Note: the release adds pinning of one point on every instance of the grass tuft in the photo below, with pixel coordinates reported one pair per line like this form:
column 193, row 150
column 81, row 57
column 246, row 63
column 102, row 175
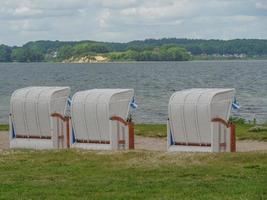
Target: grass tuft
column 4, row 127
column 257, row 129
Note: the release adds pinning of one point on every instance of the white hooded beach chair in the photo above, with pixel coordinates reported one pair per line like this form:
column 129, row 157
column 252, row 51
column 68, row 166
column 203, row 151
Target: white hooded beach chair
column 99, row 119
column 32, row 125
column 198, row 121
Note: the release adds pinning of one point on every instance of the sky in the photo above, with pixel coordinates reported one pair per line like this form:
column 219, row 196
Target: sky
column 126, row 20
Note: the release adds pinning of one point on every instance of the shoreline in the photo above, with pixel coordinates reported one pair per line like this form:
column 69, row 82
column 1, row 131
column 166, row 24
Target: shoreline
column 130, row 62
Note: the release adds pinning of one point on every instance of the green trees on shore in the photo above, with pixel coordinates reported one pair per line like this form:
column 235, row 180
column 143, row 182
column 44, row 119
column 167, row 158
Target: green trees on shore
column 166, row 49
column 19, row 54
column 5, row 53
column 163, row 53
column 81, row 49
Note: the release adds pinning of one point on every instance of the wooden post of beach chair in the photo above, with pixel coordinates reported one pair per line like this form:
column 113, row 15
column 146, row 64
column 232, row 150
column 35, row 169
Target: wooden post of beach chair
column 66, row 120
column 130, row 126
column 231, row 141
column 131, row 135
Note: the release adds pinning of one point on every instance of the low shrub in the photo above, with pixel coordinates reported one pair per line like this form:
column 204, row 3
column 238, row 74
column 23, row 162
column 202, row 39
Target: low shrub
column 257, row 129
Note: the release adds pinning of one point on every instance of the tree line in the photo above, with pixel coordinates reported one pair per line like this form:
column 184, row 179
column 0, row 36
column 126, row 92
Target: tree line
column 144, row 50
column 162, row 53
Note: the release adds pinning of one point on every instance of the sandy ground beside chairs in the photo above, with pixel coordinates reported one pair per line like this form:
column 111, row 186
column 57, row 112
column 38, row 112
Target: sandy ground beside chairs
column 159, row 144
column 4, row 140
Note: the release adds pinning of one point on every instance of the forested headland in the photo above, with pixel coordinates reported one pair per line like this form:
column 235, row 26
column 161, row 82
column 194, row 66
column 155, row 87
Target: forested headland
column 166, row 49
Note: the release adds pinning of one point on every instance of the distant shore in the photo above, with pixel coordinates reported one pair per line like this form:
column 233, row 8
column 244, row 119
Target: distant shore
column 134, row 61
column 165, row 49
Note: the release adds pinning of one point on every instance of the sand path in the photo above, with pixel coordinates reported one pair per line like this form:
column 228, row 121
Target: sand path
column 159, row 144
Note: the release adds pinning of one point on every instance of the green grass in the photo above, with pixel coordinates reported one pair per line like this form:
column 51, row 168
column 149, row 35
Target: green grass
column 244, row 134
column 160, row 130
column 76, row 174
column 151, row 130
column 4, row 127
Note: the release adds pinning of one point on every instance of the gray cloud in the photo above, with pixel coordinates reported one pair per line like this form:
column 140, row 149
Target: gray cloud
column 124, row 20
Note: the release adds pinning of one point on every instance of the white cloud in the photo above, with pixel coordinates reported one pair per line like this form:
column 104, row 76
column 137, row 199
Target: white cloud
column 118, row 3
column 261, row 5
column 124, row 20
column 26, row 11
column 244, row 18
column 103, row 19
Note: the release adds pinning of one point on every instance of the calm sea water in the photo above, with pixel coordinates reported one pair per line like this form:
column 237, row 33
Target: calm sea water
column 154, row 82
